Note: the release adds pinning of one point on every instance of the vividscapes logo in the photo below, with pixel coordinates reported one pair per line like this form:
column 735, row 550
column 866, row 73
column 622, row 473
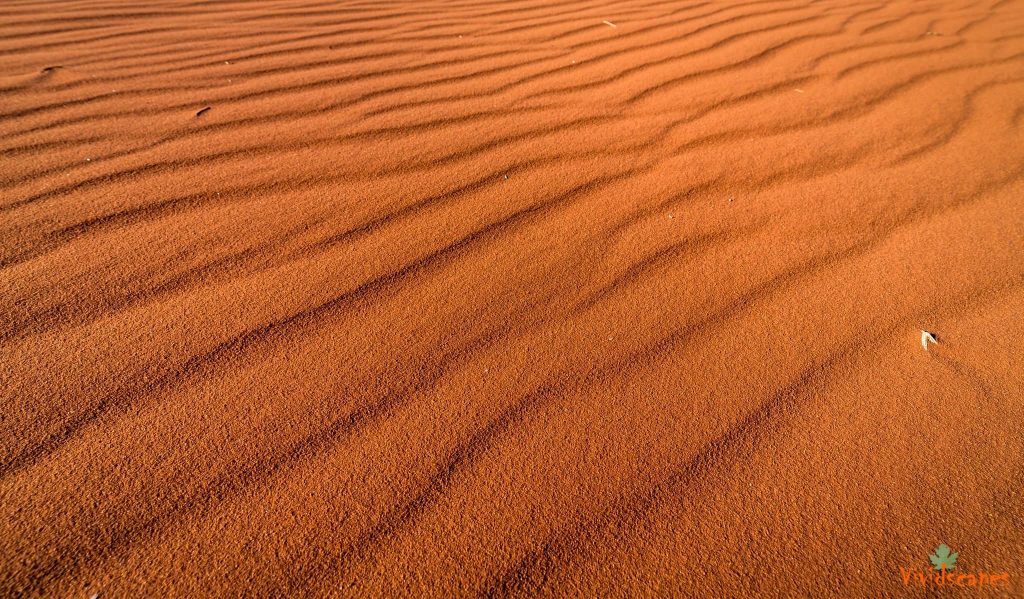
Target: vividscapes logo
column 945, row 574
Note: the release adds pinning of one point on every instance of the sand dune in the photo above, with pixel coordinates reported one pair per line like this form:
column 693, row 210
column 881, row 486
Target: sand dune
column 452, row 297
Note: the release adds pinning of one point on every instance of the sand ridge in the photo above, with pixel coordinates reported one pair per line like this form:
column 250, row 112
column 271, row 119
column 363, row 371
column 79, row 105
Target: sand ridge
column 458, row 297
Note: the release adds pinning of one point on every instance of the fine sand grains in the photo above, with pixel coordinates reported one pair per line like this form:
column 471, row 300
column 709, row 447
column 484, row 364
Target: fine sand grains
column 446, row 298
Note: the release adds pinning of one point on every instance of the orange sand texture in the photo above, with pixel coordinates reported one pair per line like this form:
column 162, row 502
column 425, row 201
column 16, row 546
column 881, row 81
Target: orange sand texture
column 458, row 297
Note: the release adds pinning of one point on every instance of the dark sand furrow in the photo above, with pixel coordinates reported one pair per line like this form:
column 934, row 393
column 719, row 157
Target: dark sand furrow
column 749, row 61
column 912, row 41
column 120, row 37
column 825, row 262
column 971, row 24
column 699, row 20
column 534, row 78
column 251, row 95
column 529, row 575
column 464, row 457
column 949, row 48
column 844, row 113
column 259, row 121
column 274, row 331
column 173, row 205
column 320, row 83
column 815, row 169
column 249, row 260
column 660, row 260
column 900, row 20
column 164, row 207
column 958, row 124
column 277, row 117
column 203, row 500
column 259, row 150
column 818, row 266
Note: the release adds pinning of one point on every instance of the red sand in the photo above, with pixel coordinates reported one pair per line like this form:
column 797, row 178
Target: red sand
column 462, row 297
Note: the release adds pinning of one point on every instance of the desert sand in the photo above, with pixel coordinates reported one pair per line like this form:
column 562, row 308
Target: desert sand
column 462, row 297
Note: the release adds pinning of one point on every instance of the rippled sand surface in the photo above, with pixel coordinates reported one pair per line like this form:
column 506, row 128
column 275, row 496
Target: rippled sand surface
column 447, row 298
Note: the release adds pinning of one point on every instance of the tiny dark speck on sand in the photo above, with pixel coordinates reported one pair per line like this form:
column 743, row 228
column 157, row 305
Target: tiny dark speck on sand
column 203, row 111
